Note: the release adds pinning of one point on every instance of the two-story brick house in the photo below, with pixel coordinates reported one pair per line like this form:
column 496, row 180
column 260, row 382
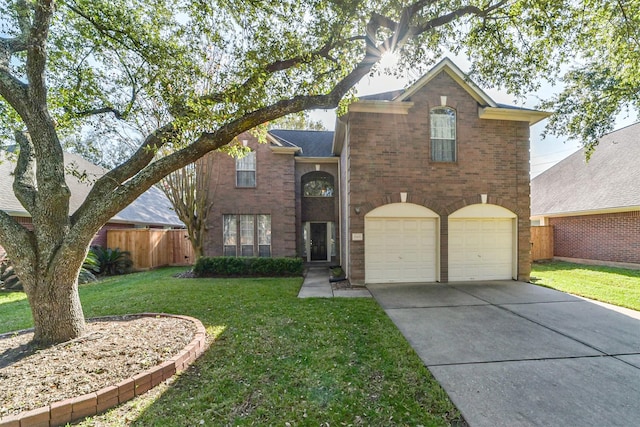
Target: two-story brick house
column 426, row 184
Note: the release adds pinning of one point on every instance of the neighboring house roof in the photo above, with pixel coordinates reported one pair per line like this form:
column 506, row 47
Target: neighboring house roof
column 151, row 208
column 609, row 182
column 312, row 143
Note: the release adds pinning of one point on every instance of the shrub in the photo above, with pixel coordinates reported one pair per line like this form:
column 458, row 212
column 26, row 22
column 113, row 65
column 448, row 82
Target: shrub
column 112, row 261
column 248, row 266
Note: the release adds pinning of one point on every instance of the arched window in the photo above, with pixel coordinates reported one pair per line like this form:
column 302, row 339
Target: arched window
column 443, row 134
column 317, row 184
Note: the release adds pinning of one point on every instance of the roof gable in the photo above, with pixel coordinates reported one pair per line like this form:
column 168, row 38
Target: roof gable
column 447, row 66
column 399, row 102
column 610, row 181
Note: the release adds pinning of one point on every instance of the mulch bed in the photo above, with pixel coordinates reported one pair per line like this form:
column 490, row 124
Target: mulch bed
column 114, row 349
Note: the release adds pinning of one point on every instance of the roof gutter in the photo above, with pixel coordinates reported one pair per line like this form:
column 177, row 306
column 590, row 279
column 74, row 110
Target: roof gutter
column 588, row 212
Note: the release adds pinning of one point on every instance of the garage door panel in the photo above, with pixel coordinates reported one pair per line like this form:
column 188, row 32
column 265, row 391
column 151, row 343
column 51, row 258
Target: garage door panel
column 480, row 249
column 400, row 250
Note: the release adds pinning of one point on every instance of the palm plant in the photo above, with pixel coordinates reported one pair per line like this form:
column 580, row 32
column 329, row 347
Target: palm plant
column 112, row 261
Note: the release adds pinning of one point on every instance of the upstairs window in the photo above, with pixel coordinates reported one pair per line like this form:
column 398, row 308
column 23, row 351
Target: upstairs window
column 317, row 184
column 246, row 170
column 443, row 134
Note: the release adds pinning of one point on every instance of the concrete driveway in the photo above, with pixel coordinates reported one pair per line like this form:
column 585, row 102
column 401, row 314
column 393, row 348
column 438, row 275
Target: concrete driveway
column 516, row 354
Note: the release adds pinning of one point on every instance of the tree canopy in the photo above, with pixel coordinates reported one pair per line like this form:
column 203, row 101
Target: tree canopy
column 603, row 78
column 187, row 76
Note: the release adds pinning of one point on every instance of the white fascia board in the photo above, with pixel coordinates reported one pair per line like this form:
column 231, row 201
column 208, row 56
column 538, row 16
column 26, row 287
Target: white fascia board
column 17, row 214
column 273, row 140
column 381, row 107
column 317, row 159
column 511, row 114
column 339, row 134
column 115, row 220
column 279, row 148
column 587, row 212
column 285, row 150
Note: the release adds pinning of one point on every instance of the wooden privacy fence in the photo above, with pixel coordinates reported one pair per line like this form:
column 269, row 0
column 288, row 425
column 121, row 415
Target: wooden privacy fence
column 151, row 248
column 541, row 242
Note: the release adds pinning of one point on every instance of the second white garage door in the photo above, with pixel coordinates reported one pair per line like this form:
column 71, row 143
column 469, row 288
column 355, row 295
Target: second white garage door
column 400, row 249
column 481, row 248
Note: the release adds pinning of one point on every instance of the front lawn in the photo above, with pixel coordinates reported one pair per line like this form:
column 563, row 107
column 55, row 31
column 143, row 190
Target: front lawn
column 276, row 359
column 617, row 286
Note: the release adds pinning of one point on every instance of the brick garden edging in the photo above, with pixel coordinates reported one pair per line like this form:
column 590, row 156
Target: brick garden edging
column 74, row 409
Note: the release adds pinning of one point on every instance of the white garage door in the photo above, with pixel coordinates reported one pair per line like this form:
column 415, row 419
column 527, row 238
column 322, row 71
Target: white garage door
column 400, row 249
column 481, row 249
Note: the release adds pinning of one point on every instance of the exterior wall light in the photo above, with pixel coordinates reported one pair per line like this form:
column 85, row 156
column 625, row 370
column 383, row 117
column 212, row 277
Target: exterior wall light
column 357, row 210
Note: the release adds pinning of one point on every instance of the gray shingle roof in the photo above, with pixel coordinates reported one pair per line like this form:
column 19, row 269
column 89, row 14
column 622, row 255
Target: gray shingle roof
column 151, row 208
column 314, row 143
column 610, row 180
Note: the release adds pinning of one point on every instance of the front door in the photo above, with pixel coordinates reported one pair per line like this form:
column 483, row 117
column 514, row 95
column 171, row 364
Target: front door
column 318, row 241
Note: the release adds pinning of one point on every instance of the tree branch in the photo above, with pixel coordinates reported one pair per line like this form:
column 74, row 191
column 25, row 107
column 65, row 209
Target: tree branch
column 24, row 20
column 115, row 177
column 109, row 33
column 14, row 91
column 16, row 239
column 125, row 183
column 273, row 67
column 116, row 113
column 24, row 186
column 452, row 16
column 37, row 50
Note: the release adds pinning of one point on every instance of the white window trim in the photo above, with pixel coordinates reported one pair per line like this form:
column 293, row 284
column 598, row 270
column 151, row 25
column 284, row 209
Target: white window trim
column 255, row 238
column 242, row 167
column 432, row 137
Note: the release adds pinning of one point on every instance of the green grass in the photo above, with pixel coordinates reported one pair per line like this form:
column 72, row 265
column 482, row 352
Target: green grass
column 617, row 286
column 276, row 359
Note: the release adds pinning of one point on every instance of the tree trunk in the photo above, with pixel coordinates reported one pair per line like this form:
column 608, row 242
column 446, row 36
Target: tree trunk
column 196, row 237
column 56, row 309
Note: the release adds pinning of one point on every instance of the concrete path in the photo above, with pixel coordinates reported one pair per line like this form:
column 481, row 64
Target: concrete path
column 316, row 285
column 516, row 354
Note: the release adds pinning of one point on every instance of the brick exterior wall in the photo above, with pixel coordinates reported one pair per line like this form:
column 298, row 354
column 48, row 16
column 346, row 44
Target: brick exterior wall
column 273, row 195
column 607, row 237
column 390, row 153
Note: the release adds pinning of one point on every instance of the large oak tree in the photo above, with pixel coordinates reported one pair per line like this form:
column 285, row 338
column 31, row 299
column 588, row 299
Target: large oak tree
column 191, row 75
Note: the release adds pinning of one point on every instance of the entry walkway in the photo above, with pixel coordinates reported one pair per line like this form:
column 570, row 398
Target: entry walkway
column 316, row 285
column 516, row 354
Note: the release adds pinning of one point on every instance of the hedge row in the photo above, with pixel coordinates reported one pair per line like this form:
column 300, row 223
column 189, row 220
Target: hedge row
column 248, row 266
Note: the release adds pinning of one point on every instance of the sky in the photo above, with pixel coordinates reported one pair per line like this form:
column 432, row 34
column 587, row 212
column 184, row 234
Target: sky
column 545, row 152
